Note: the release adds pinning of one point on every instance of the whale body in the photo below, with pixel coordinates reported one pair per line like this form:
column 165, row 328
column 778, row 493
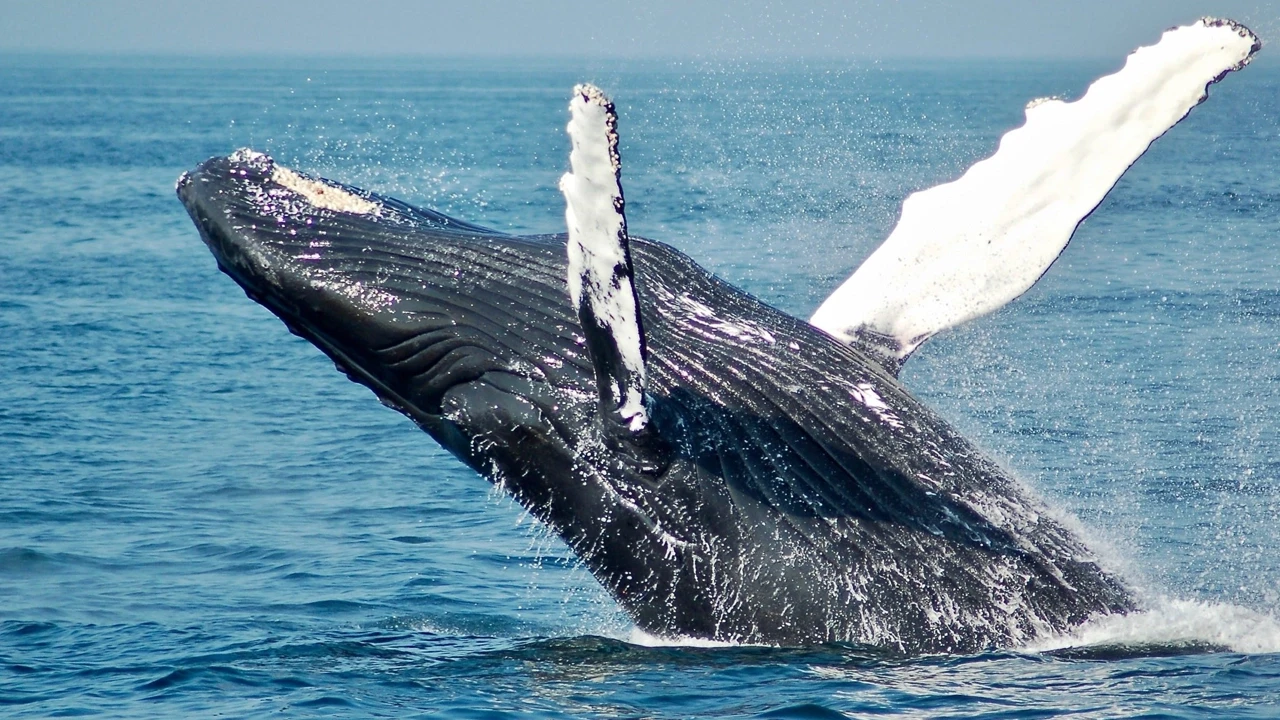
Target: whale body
column 725, row 470
column 800, row 495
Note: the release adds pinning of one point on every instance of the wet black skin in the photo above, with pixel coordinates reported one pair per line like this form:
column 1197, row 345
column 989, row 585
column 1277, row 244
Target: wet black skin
column 791, row 491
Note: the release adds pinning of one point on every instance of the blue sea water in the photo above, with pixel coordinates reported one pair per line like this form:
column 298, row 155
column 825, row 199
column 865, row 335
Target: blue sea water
column 199, row 517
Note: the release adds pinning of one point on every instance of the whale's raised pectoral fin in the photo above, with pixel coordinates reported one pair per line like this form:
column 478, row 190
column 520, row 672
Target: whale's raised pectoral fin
column 601, row 279
column 966, row 248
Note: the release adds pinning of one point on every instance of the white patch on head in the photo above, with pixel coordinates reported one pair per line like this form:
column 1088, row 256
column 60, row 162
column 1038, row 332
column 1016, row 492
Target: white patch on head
column 965, row 248
column 321, row 194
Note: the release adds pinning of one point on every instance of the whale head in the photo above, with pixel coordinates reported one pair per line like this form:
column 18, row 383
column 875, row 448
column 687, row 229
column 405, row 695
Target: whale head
column 467, row 331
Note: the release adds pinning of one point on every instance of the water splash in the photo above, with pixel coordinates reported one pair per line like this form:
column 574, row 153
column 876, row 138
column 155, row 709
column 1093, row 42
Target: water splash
column 1176, row 623
column 636, row 636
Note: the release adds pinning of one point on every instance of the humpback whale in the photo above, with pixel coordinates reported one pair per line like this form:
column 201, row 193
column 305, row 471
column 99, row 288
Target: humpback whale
column 725, row 470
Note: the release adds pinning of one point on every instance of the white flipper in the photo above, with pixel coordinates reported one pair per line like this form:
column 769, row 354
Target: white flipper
column 965, row 248
column 600, row 274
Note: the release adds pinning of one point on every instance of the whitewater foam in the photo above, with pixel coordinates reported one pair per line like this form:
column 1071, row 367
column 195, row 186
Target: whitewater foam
column 1176, row 622
column 644, row 639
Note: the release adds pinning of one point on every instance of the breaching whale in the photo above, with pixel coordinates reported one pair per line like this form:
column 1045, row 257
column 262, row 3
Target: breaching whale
column 725, row 470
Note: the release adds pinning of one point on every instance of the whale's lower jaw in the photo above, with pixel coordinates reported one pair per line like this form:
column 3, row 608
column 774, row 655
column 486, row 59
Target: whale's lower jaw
column 801, row 494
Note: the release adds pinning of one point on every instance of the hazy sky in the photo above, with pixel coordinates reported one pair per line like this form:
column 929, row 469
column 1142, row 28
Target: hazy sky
column 662, row 28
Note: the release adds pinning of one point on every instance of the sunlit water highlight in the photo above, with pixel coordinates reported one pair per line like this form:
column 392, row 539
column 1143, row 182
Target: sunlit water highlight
column 200, row 517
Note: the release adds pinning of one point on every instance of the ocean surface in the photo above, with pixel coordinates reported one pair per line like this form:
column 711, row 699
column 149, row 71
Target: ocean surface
column 199, row 517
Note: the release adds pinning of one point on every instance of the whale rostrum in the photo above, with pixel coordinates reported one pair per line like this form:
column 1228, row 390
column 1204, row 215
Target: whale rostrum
column 725, row 470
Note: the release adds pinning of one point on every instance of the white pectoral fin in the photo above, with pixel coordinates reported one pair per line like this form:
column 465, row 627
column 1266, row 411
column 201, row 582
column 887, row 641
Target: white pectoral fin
column 966, row 248
column 601, row 281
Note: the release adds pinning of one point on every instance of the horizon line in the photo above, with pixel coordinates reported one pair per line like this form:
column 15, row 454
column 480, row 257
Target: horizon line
column 420, row 56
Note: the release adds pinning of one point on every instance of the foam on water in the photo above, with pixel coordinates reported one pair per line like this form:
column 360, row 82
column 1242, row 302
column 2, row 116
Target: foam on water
column 644, row 639
column 1170, row 622
column 1176, row 622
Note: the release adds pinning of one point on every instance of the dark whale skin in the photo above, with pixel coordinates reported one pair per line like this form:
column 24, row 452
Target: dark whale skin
column 797, row 493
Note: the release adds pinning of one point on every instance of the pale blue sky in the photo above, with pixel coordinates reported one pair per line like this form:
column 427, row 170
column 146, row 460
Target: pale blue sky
column 654, row 28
